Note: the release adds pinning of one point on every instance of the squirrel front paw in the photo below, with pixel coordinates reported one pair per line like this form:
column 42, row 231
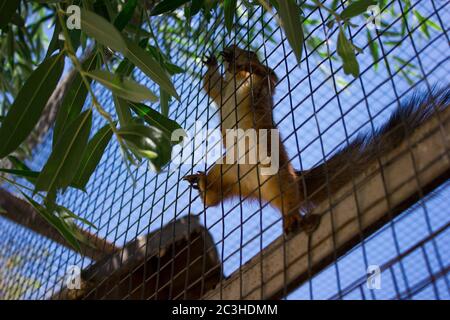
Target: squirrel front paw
column 210, row 60
column 194, row 179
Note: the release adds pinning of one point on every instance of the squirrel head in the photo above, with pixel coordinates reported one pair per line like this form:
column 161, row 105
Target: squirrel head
column 237, row 60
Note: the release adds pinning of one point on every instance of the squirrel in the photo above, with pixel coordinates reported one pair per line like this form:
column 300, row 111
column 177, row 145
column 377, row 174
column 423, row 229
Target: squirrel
column 244, row 97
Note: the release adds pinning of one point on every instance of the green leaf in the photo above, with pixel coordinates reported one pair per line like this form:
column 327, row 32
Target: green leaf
column 406, row 77
column 152, row 68
column 125, row 88
column 156, row 119
column 75, row 38
column 61, row 167
column 73, row 101
column 173, row 69
column 101, row 30
column 92, row 156
column 17, row 163
column 433, row 25
column 346, row 51
column 125, row 15
column 166, row 6
column 356, row 8
column 164, row 98
column 125, row 68
column 29, row 103
column 196, row 6
column 66, row 213
column 53, row 45
column 7, row 9
column 24, row 169
column 164, row 61
column 148, row 142
column 27, row 174
column 374, row 49
column 229, row 8
column 423, row 23
column 291, row 21
column 56, row 222
column 122, row 109
column 404, row 62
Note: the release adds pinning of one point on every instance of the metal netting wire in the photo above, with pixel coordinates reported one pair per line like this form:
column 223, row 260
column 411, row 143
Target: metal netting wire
column 318, row 110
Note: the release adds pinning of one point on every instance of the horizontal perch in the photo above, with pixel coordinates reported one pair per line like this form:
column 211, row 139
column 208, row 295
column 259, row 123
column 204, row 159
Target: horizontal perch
column 409, row 172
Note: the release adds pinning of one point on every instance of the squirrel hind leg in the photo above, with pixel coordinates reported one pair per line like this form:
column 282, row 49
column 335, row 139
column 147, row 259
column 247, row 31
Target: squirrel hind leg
column 295, row 223
column 282, row 192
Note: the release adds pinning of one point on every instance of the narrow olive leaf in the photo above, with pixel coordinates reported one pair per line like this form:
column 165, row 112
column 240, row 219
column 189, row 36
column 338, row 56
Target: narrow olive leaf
column 17, row 163
column 173, row 68
column 125, row 68
column 139, row 138
column 423, row 23
column 66, row 213
column 75, row 38
column 148, row 142
column 152, row 68
column 7, row 9
column 196, row 6
column 92, row 156
column 26, row 110
column 53, row 45
column 11, row 45
column 166, row 6
column 156, row 119
column 433, row 25
column 56, row 222
column 229, row 8
column 374, row 49
column 406, row 76
column 122, row 109
column 346, row 51
column 403, row 62
column 136, row 31
column 164, row 98
column 101, row 30
column 73, row 101
column 125, row 15
column 164, row 61
column 48, row 1
column 356, row 8
column 124, row 88
column 291, row 20
column 61, row 167
column 27, row 174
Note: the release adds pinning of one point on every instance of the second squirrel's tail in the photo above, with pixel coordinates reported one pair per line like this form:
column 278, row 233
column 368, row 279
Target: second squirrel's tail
column 317, row 183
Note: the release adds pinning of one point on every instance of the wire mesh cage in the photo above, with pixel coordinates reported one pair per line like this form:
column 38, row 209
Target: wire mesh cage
column 166, row 244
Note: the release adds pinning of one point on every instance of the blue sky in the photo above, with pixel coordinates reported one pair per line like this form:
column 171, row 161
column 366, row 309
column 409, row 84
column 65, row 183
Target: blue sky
column 122, row 211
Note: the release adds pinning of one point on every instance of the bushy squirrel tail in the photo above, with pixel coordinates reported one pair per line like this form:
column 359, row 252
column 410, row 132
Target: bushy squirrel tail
column 317, row 183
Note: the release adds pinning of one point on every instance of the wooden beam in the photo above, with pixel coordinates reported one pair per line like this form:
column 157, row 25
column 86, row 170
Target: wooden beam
column 407, row 173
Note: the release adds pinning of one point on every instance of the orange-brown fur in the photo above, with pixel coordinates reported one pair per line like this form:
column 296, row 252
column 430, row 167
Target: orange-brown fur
column 244, row 97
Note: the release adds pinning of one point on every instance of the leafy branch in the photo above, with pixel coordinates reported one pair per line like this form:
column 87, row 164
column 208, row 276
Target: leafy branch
column 121, row 36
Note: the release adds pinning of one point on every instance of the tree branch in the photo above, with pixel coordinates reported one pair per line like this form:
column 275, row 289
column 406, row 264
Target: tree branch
column 21, row 212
